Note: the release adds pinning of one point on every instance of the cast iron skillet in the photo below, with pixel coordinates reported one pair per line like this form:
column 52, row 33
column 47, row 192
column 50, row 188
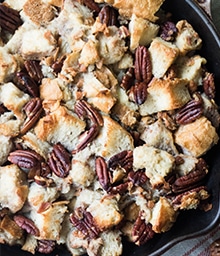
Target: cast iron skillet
column 194, row 222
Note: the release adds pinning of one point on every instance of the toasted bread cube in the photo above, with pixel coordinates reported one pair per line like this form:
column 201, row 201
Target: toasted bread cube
column 144, row 9
column 196, row 138
column 165, row 94
column 49, row 222
column 106, row 213
column 187, row 38
column 163, row 54
column 13, row 98
column 157, row 163
column 13, row 187
column 163, row 216
column 61, row 126
column 37, row 43
column 142, row 32
column 8, row 65
column 112, row 139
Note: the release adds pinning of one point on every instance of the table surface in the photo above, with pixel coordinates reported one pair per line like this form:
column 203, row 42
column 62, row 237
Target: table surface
column 200, row 246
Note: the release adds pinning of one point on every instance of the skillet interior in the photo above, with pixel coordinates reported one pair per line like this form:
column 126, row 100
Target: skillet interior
column 190, row 223
column 194, row 223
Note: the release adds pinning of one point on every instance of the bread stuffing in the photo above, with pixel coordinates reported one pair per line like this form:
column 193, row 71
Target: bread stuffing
column 107, row 110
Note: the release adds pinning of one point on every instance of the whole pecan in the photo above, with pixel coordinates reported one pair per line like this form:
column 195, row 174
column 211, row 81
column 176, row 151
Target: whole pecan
column 84, row 110
column 142, row 231
column 143, row 65
column 33, row 110
column 128, row 79
column 191, row 111
column 45, row 246
column 123, row 159
column 28, row 83
column 103, row 173
column 108, row 15
column 209, row 85
column 168, row 31
column 26, row 224
column 192, row 179
column 84, row 222
column 59, row 161
column 25, row 158
column 138, row 93
column 10, row 19
column 34, row 70
column 92, row 5
column 138, row 178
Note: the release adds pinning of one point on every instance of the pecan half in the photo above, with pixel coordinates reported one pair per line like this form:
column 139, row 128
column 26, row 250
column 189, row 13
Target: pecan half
column 136, row 137
column 108, row 15
column 192, row 179
column 119, row 189
column 103, row 174
column 10, row 19
column 138, row 93
column 191, row 111
column 209, row 85
column 213, row 115
column 84, row 222
column 123, row 32
column 25, row 158
column 45, row 246
column 143, row 65
column 26, row 224
column 123, row 159
column 168, row 31
column 177, row 199
column 40, row 175
column 59, row 161
column 171, row 178
column 3, row 109
column 3, row 213
column 128, row 79
column 86, row 138
column 92, row 5
column 44, row 182
column 28, row 83
column 142, row 231
column 34, row 70
column 84, row 110
column 58, row 64
column 179, row 160
column 168, row 120
column 33, row 110
column 138, row 178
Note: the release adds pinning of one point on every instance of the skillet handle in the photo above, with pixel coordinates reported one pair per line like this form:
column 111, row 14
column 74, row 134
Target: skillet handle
column 205, row 5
